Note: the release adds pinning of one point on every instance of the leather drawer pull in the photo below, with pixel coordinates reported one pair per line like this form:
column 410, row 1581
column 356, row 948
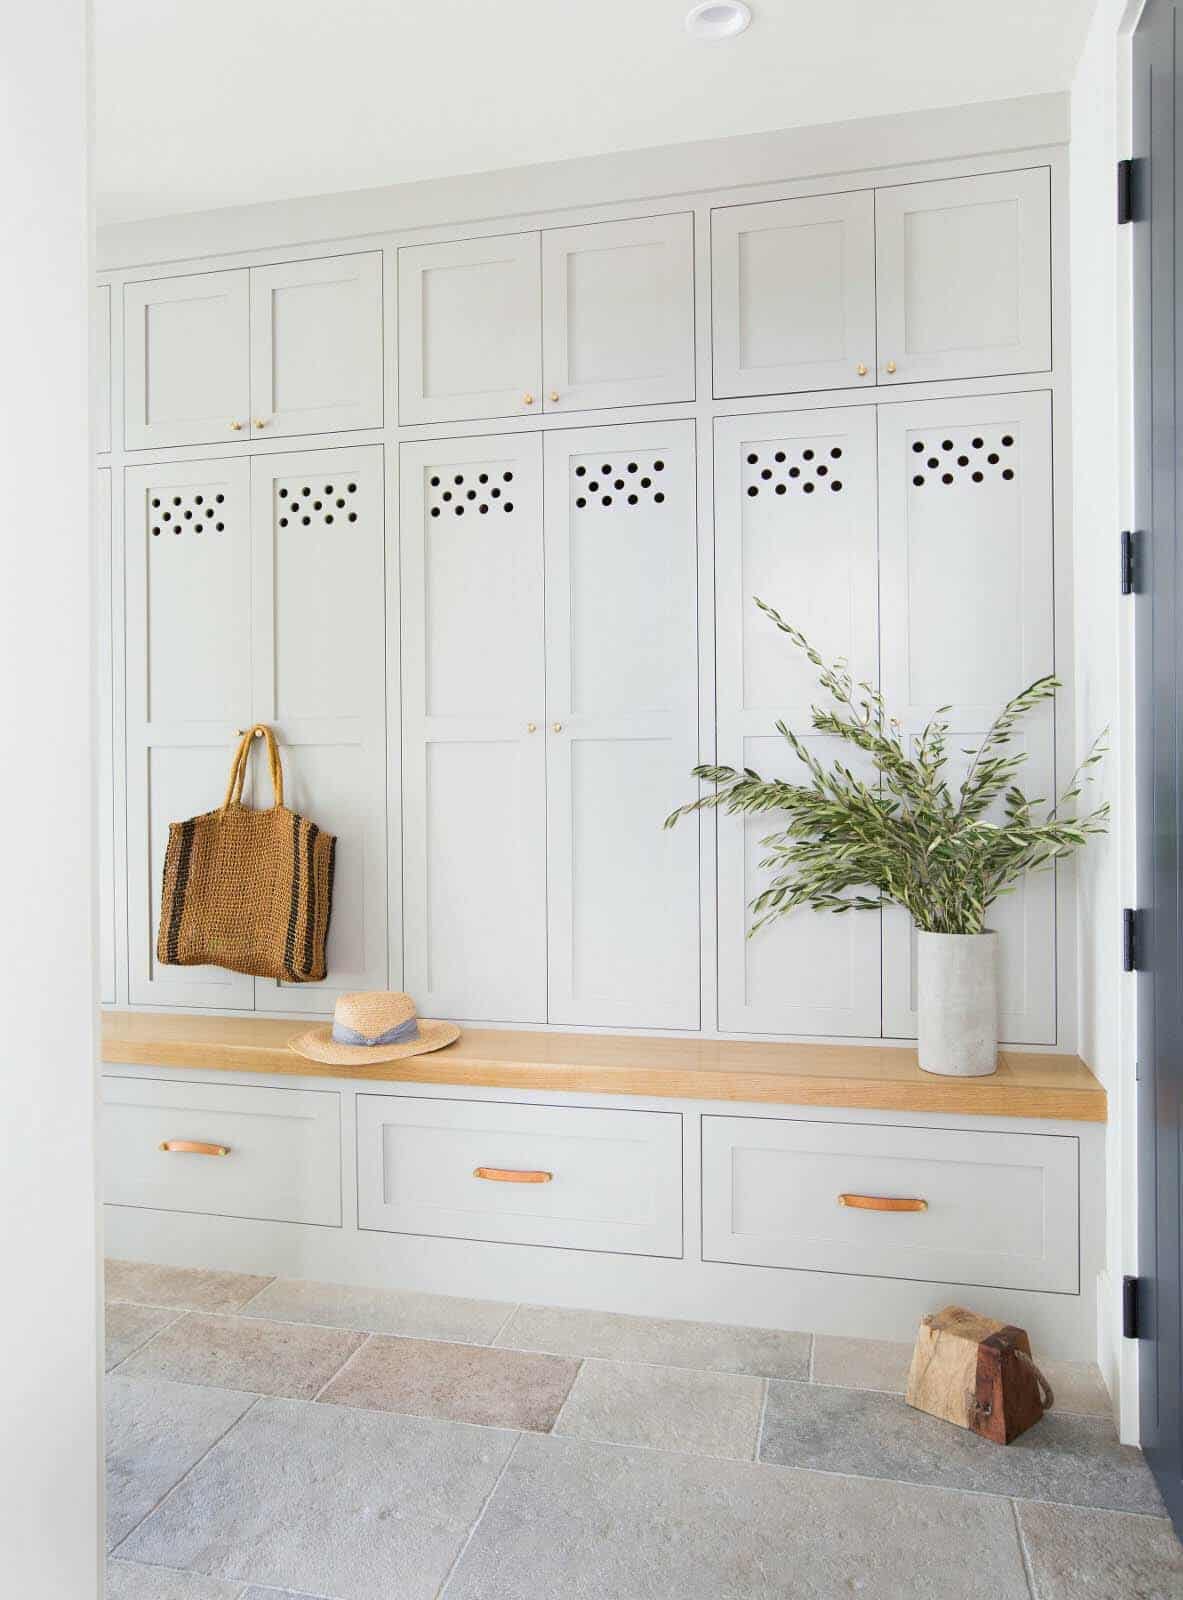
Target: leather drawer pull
column 509, row 1175
column 881, row 1202
column 194, row 1147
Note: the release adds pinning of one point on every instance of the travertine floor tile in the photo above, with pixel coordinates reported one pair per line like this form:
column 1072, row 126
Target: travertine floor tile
column 665, row 1408
column 283, row 1358
column 326, row 1500
column 586, row 1521
column 663, row 1341
column 184, row 1288
column 395, row 1311
column 465, row 1383
column 155, row 1431
column 1100, row 1555
column 1074, row 1460
column 127, row 1580
column 129, row 1326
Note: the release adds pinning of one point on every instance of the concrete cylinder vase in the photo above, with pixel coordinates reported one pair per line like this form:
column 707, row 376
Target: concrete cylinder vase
column 957, row 984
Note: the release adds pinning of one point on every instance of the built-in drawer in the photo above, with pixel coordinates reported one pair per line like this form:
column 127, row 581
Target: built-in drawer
column 283, row 1149
column 996, row 1209
column 575, row 1177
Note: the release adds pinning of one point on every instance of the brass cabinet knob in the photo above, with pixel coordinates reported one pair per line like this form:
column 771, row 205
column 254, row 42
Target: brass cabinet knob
column 260, row 422
column 557, row 727
column 531, row 727
column 527, row 399
column 236, row 427
column 889, row 368
column 861, row 369
column 554, row 394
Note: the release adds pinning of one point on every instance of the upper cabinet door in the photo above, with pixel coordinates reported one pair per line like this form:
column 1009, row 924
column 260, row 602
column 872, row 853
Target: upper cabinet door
column 319, row 673
column 793, row 289
column 964, row 277
column 186, row 345
column 965, row 518
column 470, row 342
column 474, row 801
column 795, row 525
column 618, row 313
column 101, row 369
column 316, row 345
column 621, row 725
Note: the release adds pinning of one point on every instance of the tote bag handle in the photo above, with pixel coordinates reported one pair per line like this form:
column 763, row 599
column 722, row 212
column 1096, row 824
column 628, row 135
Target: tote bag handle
column 241, row 760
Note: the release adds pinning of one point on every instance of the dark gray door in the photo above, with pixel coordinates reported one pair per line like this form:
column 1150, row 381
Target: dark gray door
column 1158, row 286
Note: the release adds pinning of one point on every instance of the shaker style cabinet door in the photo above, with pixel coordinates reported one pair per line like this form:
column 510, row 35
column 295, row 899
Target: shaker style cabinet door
column 618, row 313
column 964, row 277
column 795, row 525
column 188, row 555
column 186, row 354
column 621, row 725
column 474, row 750
column 469, row 333
column 105, row 737
column 319, row 671
column 793, row 289
column 316, row 345
column 965, row 530
column 101, row 367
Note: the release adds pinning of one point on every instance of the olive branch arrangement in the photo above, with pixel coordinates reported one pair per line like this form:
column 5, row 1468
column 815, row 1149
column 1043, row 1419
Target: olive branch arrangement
column 905, row 837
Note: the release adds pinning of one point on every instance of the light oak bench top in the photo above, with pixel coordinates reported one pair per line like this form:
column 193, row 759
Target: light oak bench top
column 862, row 1077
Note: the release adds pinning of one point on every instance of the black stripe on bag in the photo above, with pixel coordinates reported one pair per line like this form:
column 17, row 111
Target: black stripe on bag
column 180, row 885
column 310, row 839
column 289, row 944
column 329, row 892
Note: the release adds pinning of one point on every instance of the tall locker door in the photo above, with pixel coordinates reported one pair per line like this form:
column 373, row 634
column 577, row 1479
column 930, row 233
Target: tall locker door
column 618, row 313
column 793, row 287
column 965, row 530
column 795, row 525
column 186, row 360
column 319, row 679
column 474, row 751
column 316, row 345
column 621, row 725
column 105, row 737
column 470, row 329
column 188, row 551
column 964, row 277
column 101, row 369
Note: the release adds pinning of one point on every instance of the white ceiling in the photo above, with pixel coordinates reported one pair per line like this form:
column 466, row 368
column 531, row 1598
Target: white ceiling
column 206, row 103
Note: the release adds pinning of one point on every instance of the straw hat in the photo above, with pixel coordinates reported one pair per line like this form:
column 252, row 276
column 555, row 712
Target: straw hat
column 372, row 1026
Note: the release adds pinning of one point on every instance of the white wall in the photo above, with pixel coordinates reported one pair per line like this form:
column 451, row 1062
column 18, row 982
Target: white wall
column 49, row 1339
column 1099, row 274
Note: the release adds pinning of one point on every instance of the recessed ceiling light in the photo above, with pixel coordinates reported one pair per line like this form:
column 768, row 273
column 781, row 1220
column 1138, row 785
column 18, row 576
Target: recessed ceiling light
column 718, row 19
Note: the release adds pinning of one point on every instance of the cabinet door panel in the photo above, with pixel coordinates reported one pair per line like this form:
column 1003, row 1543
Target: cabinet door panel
column 966, row 535
column 618, row 322
column 101, row 373
column 186, row 360
column 621, row 714
column 188, row 689
column 794, row 294
column 319, row 678
column 795, row 525
column 316, row 345
column 105, row 737
column 964, row 276
column 469, row 329
column 474, row 829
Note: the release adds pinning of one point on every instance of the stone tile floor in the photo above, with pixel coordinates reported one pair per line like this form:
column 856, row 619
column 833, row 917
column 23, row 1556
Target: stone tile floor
column 271, row 1439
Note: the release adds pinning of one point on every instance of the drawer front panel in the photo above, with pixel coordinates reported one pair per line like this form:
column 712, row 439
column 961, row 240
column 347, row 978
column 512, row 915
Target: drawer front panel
column 615, row 1177
column 1001, row 1209
column 284, row 1161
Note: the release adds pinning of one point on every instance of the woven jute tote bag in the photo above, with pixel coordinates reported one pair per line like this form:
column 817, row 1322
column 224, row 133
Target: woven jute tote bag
column 248, row 889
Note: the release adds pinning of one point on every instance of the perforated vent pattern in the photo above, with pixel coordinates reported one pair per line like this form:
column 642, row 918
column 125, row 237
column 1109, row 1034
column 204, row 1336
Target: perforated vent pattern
column 300, row 503
column 188, row 510
column 479, row 490
column 793, row 468
column 627, row 483
column 962, row 457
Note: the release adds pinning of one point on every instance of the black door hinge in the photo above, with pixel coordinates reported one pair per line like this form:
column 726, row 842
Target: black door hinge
column 1129, row 940
column 1130, row 1295
column 1128, row 574
column 1125, row 191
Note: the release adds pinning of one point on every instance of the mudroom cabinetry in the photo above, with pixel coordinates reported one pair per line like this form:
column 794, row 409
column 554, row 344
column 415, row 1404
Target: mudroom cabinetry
column 289, row 349
column 255, row 593
column 550, row 689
